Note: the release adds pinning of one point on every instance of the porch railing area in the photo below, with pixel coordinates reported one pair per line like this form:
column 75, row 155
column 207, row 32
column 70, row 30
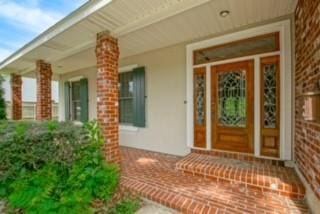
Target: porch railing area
column 29, row 110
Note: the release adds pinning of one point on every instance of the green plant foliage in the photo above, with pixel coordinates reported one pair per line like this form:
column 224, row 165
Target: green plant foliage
column 3, row 115
column 35, row 189
column 54, row 167
column 28, row 146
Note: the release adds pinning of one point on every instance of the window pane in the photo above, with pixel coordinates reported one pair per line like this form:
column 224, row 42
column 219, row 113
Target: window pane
column 76, row 110
column 75, row 101
column 126, row 85
column 126, row 97
column 76, row 91
column 232, row 99
column 199, row 90
column 126, row 111
column 270, row 96
column 251, row 46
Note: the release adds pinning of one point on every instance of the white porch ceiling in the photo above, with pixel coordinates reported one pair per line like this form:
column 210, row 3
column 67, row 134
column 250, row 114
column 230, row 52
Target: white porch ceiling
column 144, row 25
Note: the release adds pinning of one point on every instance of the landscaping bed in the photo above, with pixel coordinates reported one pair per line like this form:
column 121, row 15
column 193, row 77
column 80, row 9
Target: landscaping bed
column 53, row 167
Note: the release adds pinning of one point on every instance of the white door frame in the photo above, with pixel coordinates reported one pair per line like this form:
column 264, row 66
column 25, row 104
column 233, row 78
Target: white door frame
column 284, row 28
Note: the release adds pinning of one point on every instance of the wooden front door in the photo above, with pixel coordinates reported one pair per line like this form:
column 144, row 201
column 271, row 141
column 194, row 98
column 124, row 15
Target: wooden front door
column 232, row 104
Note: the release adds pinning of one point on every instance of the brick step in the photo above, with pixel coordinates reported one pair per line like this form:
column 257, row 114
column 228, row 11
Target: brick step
column 153, row 176
column 264, row 177
column 230, row 201
column 165, row 197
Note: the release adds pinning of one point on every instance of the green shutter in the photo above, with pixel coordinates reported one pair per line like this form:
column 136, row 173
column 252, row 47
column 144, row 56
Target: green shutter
column 67, row 101
column 84, row 115
column 139, row 97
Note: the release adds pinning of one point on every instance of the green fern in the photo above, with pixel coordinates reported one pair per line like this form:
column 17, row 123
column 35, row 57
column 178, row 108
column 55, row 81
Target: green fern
column 34, row 188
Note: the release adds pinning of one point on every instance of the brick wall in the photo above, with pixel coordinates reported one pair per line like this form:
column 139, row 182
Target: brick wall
column 107, row 54
column 16, row 84
column 307, row 134
column 44, row 102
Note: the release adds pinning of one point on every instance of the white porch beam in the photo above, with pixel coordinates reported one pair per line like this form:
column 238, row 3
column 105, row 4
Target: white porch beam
column 72, row 51
column 158, row 15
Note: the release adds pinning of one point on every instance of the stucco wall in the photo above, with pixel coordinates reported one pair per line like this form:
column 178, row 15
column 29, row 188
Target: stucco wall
column 165, row 108
column 165, row 129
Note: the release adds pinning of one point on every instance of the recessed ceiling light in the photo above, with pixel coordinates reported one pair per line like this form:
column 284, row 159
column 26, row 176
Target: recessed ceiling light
column 224, row 13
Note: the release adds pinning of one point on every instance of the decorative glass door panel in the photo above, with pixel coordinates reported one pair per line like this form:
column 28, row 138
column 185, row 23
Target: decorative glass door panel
column 269, row 74
column 270, row 106
column 199, row 96
column 232, row 99
column 232, row 106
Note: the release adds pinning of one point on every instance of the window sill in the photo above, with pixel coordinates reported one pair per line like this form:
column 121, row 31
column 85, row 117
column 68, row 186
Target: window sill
column 77, row 122
column 128, row 128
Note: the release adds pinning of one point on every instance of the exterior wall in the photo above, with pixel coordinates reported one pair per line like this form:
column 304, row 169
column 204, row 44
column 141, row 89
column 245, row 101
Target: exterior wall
column 165, row 108
column 307, row 77
column 91, row 75
column 165, row 129
column 29, row 110
column 166, row 77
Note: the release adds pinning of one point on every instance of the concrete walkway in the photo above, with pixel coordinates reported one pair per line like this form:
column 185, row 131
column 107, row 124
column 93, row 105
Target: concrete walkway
column 1, row 207
column 153, row 208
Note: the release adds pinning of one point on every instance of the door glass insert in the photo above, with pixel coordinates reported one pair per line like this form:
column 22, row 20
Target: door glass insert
column 270, row 96
column 232, row 102
column 200, row 87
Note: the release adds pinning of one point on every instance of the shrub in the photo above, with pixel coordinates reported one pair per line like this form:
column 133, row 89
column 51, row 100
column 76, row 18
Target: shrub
column 54, row 167
column 2, row 101
column 28, row 146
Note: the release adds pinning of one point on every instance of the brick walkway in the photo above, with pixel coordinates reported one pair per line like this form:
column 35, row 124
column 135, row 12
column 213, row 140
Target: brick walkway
column 153, row 176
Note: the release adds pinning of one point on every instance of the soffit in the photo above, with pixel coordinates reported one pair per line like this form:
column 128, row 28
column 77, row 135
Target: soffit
column 145, row 25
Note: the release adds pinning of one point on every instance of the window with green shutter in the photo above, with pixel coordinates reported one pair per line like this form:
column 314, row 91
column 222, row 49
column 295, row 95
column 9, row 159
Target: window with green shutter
column 126, row 98
column 84, row 100
column 67, row 100
column 132, row 97
column 76, row 100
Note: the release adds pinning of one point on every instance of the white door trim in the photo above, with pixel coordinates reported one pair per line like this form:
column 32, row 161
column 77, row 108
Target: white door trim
column 284, row 27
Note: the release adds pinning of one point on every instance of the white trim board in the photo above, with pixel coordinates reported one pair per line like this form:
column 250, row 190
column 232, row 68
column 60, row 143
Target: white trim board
column 127, row 68
column 285, row 82
column 78, row 15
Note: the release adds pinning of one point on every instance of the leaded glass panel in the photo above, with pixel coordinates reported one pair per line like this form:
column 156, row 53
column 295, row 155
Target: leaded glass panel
column 232, row 99
column 200, row 87
column 270, row 96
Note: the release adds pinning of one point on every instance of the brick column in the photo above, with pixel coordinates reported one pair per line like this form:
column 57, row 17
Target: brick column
column 107, row 54
column 44, row 102
column 16, row 84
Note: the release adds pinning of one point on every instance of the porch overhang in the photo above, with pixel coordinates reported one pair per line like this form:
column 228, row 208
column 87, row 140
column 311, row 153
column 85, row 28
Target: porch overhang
column 140, row 26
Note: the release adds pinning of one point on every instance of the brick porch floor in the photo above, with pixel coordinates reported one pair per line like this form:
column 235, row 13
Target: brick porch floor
column 153, row 176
